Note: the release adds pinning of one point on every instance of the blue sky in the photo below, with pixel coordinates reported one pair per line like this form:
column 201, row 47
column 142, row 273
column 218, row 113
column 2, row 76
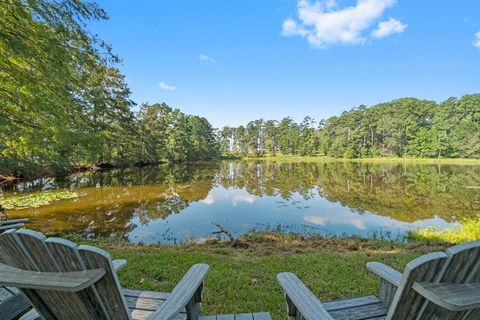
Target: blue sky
column 233, row 61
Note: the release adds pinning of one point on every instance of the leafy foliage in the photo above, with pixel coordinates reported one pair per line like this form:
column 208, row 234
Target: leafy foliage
column 401, row 128
column 63, row 102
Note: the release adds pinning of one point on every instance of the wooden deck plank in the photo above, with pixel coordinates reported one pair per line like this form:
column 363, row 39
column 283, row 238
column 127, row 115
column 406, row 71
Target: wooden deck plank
column 262, row 316
column 138, row 314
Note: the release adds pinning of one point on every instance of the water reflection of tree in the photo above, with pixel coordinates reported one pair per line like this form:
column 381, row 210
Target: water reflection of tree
column 114, row 198
column 111, row 199
column 183, row 183
column 405, row 192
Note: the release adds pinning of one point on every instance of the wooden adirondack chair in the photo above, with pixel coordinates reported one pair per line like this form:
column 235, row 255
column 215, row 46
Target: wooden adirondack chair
column 440, row 286
column 64, row 281
column 12, row 302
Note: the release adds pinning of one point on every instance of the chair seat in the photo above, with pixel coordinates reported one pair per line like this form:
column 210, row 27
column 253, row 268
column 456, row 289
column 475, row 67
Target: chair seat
column 364, row 308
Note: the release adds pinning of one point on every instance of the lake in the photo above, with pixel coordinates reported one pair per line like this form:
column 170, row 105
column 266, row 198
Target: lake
column 175, row 203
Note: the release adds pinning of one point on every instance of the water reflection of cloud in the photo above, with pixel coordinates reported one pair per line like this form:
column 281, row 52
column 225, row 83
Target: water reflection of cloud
column 235, row 199
column 210, row 199
column 435, row 222
column 324, row 220
column 243, row 198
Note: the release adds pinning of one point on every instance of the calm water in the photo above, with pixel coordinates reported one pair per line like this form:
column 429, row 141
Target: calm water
column 174, row 203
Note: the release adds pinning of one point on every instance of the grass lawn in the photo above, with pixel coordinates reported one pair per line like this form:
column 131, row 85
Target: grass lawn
column 242, row 278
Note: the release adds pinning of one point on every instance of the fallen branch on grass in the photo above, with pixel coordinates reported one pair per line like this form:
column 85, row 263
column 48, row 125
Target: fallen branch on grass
column 224, row 231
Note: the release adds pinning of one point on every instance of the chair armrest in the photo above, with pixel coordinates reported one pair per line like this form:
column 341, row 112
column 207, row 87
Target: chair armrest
column 118, row 264
column 302, row 298
column 451, row 296
column 181, row 295
column 13, row 221
column 385, row 272
column 11, row 226
column 61, row 281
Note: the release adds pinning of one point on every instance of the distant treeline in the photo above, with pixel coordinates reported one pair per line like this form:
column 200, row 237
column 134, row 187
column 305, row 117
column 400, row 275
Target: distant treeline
column 63, row 103
column 402, row 128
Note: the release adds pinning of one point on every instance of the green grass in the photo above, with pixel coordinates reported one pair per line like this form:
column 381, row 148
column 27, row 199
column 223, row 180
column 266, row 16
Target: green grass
column 242, row 279
column 467, row 230
column 287, row 158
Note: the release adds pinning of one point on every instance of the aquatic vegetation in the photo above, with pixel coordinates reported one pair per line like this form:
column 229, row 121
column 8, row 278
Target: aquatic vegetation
column 467, row 230
column 35, row 200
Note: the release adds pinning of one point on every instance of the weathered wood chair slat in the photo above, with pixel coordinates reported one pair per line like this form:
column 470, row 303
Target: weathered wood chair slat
column 12, row 302
column 64, row 281
column 440, row 286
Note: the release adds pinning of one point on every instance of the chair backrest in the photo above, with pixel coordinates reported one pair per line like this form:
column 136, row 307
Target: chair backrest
column 32, row 251
column 460, row 264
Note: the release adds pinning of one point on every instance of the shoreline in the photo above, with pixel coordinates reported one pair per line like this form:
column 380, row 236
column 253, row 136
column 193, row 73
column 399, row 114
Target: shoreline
column 326, row 159
column 12, row 178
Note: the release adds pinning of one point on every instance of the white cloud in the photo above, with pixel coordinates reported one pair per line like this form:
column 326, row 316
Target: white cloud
column 166, row 86
column 386, row 28
column 206, row 59
column 322, row 23
column 476, row 42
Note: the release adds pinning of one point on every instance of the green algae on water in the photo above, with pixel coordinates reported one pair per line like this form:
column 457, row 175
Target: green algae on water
column 35, row 200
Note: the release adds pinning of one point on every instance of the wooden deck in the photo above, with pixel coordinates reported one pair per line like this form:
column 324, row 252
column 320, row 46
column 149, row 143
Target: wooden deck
column 243, row 316
column 142, row 304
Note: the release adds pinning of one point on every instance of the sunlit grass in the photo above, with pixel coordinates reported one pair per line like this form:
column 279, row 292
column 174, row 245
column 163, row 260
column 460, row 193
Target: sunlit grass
column 467, row 230
column 295, row 158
